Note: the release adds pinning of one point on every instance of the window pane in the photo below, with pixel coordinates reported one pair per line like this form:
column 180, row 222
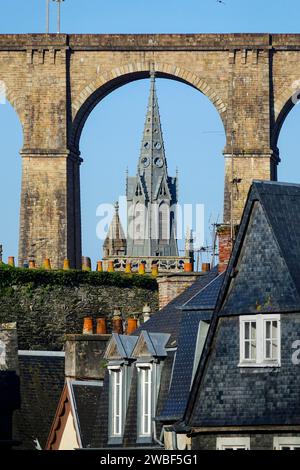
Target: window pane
column 268, row 349
column 247, row 350
column 271, row 340
column 253, row 350
column 274, row 329
column 253, row 330
column 145, row 400
column 268, row 329
column 116, row 381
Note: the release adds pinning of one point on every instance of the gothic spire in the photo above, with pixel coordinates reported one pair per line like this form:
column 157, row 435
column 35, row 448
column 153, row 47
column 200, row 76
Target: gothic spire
column 115, row 242
column 152, row 150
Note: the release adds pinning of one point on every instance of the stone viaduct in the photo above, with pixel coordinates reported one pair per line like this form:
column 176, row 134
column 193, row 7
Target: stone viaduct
column 54, row 82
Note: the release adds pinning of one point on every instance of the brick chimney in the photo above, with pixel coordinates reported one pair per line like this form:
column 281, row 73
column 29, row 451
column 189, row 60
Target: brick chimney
column 225, row 246
column 170, row 285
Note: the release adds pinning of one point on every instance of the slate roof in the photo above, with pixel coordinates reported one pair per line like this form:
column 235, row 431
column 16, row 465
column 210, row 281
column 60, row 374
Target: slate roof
column 206, row 299
column 278, row 248
column 125, row 345
column 200, row 307
column 165, row 322
column 155, row 343
column 168, row 319
column 86, row 398
column 266, row 256
column 281, row 202
column 42, row 381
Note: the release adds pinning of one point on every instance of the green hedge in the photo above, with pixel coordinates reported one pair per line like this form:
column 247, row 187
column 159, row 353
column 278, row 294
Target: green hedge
column 10, row 276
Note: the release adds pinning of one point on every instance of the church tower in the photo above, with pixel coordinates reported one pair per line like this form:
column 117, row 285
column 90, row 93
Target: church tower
column 115, row 242
column 152, row 194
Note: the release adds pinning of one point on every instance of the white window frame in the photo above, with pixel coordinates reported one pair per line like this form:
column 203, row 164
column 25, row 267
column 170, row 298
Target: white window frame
column 279, row 442
column 261, row 360
column 233, row 443
column 117, row 398
column 146, row 408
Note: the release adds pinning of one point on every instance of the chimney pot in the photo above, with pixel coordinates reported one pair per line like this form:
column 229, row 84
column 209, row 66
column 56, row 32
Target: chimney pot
column 131, row 325
column 111, row 267
column 188, row 267
column 11, row 261
column 87, row 326
column 142, row 268
column 47, row 263
column 146, row 312
column 205, row 267
column 154, row 270
column 86, row 263
column 99, row 266
column 66, row 265
column 101, row 326
column 128, row 268
column 117, row 322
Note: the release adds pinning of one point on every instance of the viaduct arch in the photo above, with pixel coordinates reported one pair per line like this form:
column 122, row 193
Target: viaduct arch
column 54, row 81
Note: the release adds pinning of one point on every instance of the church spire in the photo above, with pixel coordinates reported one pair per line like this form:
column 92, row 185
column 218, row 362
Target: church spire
column 115, row 242
column 153, row 190
column 152, row 151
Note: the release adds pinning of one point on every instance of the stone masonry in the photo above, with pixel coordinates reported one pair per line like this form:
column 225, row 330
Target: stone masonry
column 54, row 82
column 45, row 314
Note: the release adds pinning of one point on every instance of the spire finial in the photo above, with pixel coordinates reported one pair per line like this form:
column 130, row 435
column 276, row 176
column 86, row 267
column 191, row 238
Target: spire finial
column 152, row 74
column 116, row 207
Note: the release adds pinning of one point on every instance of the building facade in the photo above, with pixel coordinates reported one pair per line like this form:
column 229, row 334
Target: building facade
column 245, row 394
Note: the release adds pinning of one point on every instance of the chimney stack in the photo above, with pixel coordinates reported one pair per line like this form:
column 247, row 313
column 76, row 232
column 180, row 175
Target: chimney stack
column 225, row 246
column 117, row 322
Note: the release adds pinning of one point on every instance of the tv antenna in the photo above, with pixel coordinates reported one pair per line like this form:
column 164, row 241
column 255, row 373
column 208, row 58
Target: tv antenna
column 58, row 15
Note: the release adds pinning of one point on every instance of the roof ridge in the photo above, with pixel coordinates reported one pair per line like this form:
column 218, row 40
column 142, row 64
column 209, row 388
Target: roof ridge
column 201, row 290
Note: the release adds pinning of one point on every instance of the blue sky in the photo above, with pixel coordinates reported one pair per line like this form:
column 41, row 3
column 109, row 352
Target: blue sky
column 194, row 135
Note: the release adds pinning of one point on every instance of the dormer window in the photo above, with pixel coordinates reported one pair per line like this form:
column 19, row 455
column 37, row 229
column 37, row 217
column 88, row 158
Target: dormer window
column 145, row 399
column 260, row 340
column 118, row 355
column 149, row 352
column 119, row 385
column 117, row 411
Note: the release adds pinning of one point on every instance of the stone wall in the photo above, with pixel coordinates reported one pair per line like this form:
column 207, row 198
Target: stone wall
column 45, row 314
